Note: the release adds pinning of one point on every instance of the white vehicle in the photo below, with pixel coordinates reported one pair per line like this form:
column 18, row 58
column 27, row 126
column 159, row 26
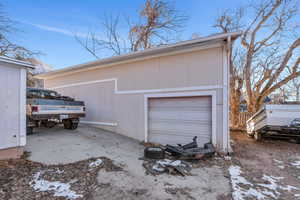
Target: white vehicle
column 48, row 108
column 275, row 120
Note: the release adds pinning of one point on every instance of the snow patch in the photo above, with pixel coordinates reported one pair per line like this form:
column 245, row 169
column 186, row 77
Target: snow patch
column 167, row 162
column 243, row 189
column 60, row 189
column 228, row 158
column 296, row 164
column 160, row 165
column 240, row 193
column 281, row 166
column 278, row 161
column 96, row 163
column 158, row 168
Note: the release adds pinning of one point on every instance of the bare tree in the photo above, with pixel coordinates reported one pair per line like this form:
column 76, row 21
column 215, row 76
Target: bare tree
column 293, row 89
column 11, row 49
column 7, row 47
column 158, row 24
column 268, row 47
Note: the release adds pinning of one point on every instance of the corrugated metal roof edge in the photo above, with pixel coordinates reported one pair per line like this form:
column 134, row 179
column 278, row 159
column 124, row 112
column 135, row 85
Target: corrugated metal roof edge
column 144, row 53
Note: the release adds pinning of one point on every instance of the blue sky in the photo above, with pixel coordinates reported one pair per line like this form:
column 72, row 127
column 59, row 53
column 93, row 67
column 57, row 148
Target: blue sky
column 48, row 26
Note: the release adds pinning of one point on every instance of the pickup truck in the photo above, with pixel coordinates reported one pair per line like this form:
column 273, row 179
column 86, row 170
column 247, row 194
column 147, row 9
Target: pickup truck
column 278, row 121
column 48, row 108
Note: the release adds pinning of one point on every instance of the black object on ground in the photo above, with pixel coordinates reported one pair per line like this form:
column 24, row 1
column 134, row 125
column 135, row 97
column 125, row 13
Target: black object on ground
column 190, row 145
column 155, row 164
column 191, row 150
column 154, row 153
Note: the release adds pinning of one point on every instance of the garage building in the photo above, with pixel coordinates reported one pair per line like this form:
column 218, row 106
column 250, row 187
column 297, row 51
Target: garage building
column 12, row 107
column 166, row 95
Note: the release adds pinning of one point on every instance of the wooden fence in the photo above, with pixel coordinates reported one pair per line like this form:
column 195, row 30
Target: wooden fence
column 242, row 118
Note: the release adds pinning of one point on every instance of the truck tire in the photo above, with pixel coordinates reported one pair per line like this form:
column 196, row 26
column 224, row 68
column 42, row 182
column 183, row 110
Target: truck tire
column 154, row 153
column 74, row 125
column 69, row 124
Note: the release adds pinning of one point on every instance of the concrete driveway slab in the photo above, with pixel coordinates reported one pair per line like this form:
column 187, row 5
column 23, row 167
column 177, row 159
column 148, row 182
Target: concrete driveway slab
column 61, row 146
column 57, row 145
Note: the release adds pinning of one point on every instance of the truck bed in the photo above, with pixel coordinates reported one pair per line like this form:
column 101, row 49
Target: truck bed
column 274, row 118
column 58, row 107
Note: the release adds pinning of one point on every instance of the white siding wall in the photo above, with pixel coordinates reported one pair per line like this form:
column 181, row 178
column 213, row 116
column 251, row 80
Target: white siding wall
column 117, row 93
column 9, row 106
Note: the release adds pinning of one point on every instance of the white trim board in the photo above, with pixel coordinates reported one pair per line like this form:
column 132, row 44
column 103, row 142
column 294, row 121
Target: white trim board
column 18, row 63
column 117, row 91
column 225, row 109
column 213, row 95
column 21, row 137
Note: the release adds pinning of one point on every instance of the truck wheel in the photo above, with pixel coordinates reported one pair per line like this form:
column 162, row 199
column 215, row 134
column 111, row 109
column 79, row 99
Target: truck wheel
column 67, row 124
column 154, row 153
column 74, row 126
column 257, row 136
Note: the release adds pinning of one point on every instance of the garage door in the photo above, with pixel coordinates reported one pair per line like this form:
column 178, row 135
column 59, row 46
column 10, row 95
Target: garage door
column 178, row 119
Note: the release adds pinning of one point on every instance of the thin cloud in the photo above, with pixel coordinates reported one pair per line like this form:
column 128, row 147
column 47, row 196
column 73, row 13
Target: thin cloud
column 58, row 30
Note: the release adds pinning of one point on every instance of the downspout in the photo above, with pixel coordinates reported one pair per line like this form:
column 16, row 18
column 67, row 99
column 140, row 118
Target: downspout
column 229, row 49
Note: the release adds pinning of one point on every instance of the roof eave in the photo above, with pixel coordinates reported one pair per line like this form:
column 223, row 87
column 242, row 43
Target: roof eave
column 16, row 62
column 133, row 55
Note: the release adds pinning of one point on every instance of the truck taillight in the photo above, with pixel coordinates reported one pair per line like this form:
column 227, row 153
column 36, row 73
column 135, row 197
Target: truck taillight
column 35, row 109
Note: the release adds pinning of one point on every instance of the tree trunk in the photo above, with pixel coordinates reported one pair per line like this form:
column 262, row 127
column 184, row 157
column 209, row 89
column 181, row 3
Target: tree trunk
column 234, row 112
column 235, row 100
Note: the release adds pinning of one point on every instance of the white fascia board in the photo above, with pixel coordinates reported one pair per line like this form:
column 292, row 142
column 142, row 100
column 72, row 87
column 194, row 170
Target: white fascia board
column 16, row 62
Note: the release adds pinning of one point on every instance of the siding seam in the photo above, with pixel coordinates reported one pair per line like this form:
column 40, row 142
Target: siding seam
column 208, row 87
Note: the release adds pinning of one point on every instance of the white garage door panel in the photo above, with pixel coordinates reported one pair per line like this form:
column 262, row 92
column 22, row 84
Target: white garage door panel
column 187, row 127
column 180, row 115
column 178, row 139
column 177, row 120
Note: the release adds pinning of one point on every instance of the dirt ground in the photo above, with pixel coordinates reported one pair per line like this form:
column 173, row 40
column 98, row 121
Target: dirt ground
column 271, row 166
column 21, row 179
column 62, row 146
column 265, row 170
